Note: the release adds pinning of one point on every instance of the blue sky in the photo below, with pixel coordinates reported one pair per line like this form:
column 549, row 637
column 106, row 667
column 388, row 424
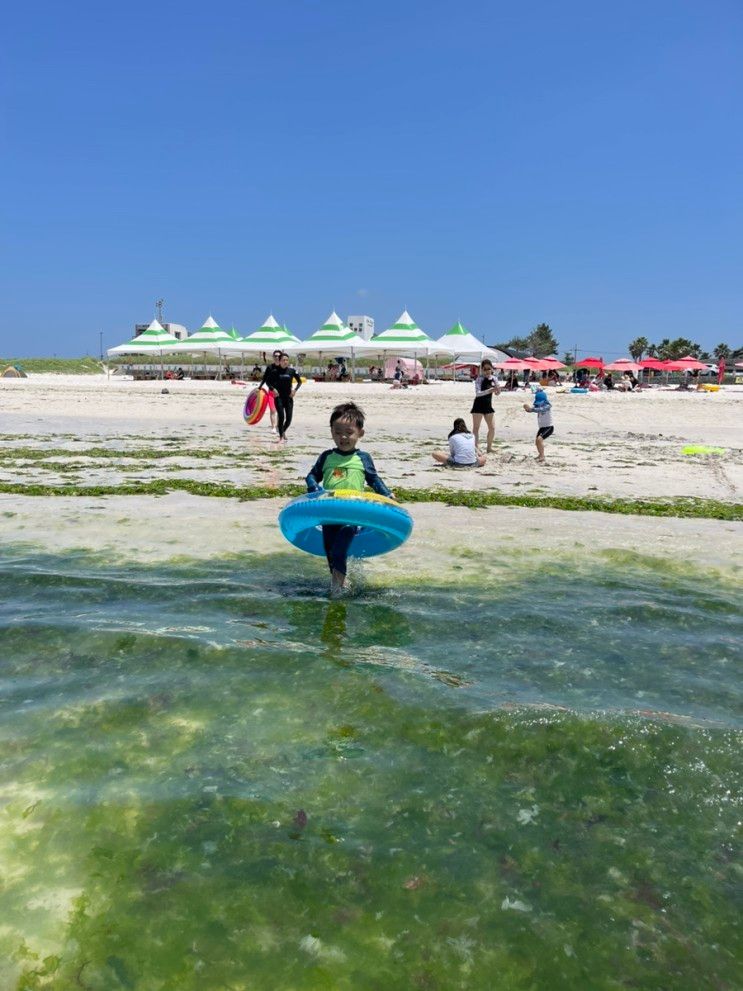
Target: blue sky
column 499, row 163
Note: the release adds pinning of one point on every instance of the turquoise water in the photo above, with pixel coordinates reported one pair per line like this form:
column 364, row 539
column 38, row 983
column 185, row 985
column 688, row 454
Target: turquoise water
column 212, row 777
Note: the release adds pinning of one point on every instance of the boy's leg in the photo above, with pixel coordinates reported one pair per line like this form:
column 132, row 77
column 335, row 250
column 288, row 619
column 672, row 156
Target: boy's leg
column 336, row 542
column 540, row 447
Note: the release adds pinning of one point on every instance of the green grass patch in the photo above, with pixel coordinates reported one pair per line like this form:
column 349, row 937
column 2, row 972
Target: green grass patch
column 61, row 366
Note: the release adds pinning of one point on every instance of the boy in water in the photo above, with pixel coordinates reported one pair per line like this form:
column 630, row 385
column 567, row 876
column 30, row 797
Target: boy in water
column 343, row 467
column 543, row 408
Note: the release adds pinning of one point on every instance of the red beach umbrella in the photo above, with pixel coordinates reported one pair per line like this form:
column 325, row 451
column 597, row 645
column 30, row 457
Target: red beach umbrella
column 654, row 364
column 550, row 363
column 590, row 363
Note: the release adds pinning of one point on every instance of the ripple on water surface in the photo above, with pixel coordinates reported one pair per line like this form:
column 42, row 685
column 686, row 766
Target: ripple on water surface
column 212, row 777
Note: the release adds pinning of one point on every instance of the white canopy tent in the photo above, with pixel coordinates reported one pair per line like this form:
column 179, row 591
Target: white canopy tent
column 466, row 347
column 335, row 338
column 406, row 340
column 155, row 340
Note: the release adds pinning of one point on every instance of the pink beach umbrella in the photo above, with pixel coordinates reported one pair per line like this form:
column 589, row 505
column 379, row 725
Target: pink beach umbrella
column 514, row 364
column 590, row 363
column 623, row 365
column 687, row 364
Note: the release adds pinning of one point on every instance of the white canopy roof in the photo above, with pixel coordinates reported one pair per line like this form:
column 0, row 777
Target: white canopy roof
column 466, row 347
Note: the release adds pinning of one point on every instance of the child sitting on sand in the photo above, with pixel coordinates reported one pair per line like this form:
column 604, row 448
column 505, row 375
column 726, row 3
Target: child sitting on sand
column 463, row 451
column 343, row 467
column 543, row 408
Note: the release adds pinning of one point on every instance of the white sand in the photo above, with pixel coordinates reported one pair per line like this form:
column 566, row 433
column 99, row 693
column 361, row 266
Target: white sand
column 604, row 444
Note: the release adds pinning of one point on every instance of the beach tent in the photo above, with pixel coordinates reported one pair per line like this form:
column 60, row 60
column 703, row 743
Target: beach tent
column 268, row 337
column 335, row 338
column 11, row 372
column 209, row 339
column 155, row 340
column 411, row 365
column 406, row 339
column 459, row 342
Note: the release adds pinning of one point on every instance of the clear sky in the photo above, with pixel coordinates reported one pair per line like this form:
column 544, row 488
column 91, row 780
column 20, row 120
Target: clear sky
column 501, row 163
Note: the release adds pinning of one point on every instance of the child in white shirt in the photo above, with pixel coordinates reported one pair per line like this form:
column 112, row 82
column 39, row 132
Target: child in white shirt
column 463, row 451
column 543, row 408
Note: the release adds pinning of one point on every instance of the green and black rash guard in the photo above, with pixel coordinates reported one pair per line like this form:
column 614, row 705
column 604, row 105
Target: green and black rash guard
column 335, row 470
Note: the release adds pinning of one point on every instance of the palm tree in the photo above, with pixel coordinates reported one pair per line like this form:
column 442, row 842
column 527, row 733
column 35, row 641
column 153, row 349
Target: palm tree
column 638, row 347
column 722, row 351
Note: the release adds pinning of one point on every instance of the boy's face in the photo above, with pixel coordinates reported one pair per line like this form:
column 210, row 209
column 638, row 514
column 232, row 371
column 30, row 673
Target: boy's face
column 346, row 434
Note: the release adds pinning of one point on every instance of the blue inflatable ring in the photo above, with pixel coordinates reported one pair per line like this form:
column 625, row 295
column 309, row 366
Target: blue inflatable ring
column 576, row 389
column 384, row 523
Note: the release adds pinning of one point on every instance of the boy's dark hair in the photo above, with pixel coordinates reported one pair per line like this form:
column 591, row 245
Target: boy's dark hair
column 348, row 411
column 460, row 427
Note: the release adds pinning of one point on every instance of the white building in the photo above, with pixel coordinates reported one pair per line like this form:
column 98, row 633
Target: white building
column 363, row 326
column 176, row 329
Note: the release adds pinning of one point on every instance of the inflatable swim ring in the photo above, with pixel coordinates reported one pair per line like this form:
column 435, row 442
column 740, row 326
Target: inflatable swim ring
column 255, row 406
column 576, row 389
column 384, row 523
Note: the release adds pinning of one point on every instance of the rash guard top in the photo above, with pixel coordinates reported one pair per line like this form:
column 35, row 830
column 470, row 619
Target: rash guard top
column 335, row 470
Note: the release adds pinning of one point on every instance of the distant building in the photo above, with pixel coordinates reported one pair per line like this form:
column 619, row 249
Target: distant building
column 363, row 326
column 176, row 329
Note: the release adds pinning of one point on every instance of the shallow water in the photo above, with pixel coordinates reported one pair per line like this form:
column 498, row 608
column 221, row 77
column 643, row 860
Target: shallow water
column 212, row 777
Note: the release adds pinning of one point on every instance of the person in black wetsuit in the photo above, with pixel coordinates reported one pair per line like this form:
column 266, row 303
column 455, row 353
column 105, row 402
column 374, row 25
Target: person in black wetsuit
column 279, row 379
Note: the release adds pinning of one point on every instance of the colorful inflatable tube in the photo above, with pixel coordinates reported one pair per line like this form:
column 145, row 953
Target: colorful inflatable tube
column 384, row 523
column 256, row 405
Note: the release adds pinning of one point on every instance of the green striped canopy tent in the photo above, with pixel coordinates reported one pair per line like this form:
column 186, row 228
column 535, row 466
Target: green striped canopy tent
column 406, row 339
column 334, row 337
column 466, row 347
column 267, row 338
column 208, row 339
column 155, row 341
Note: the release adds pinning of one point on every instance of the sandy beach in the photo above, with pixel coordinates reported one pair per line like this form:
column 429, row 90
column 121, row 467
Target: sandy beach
column 55, row 429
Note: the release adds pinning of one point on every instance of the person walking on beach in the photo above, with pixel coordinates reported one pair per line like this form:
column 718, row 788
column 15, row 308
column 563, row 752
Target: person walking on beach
column 343, row 467
column 285, row 395
column 545, row 428
column 270, row 376
column 485, row 387
column 463, row 452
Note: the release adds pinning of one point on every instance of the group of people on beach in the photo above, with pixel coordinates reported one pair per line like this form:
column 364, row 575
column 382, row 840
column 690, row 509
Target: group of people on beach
column 464, row 444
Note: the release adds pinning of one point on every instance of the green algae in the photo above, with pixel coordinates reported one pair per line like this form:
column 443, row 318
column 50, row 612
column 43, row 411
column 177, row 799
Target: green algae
column 213, row 778
column 685, row 508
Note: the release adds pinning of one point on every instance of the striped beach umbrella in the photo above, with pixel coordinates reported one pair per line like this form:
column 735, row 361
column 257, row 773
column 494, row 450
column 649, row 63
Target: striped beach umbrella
column 405, row 338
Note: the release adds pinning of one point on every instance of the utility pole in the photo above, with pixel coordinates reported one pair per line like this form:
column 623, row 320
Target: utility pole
column 159, row 307
column 100, row 336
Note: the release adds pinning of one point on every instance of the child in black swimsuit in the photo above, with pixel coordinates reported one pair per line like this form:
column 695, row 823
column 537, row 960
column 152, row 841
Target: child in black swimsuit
column 485, row 387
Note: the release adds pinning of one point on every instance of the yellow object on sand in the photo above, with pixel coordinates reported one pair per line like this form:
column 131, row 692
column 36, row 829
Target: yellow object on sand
column 701, row 449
